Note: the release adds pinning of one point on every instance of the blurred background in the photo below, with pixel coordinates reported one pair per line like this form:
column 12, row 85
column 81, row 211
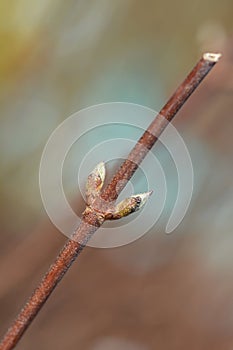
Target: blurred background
column 160, row 292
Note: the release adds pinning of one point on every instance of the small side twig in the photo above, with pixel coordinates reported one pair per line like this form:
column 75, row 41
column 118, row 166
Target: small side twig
column 93, row 218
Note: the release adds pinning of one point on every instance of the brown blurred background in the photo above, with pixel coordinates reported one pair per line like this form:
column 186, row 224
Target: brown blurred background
column 161, row 292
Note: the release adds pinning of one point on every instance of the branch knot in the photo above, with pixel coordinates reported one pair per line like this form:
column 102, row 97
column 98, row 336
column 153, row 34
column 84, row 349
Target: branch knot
column 98, row 210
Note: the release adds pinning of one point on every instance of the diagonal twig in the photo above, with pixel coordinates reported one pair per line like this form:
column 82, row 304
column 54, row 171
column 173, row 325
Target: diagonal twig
column 91, row 221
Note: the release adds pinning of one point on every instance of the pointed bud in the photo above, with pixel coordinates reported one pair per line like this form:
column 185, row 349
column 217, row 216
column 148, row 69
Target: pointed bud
column 95, row 182
column 129, row 205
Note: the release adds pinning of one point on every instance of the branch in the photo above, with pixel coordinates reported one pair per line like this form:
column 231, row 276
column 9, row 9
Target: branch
column 100, row 206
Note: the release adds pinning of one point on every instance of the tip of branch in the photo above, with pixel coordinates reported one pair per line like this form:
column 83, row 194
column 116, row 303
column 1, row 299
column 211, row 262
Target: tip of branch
column 212, row 57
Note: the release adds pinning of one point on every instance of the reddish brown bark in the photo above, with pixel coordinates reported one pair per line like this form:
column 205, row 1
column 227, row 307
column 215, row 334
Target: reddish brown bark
column 72, row 248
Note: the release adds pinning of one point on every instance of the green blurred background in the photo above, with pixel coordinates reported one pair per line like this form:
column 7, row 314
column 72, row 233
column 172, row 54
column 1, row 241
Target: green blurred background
column 161, row 292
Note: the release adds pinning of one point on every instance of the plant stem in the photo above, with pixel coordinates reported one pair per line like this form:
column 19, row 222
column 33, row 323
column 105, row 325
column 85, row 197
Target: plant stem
column 87, row 228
